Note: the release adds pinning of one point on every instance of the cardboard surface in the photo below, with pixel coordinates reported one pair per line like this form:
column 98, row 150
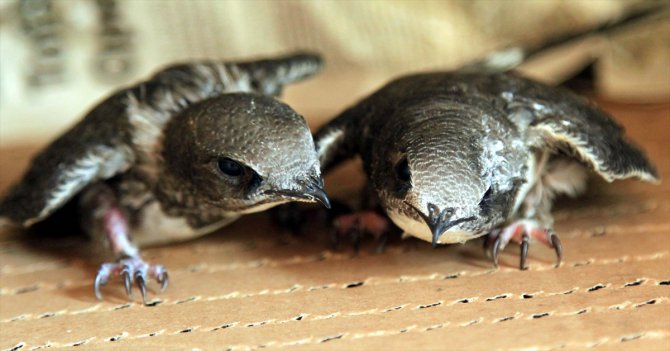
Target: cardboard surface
column 252, row 286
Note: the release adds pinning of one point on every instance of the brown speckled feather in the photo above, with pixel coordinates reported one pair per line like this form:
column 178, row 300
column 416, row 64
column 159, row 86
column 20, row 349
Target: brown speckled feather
column 120, row 133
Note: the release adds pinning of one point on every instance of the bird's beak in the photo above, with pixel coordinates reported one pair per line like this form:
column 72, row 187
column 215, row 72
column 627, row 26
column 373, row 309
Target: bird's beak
column 311, row 191
column 437, row 221
column 436, row 229
column 317, row 194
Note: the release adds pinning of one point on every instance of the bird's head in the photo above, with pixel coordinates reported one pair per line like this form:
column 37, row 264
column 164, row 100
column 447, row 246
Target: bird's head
column 243, row 153
column 441, row 180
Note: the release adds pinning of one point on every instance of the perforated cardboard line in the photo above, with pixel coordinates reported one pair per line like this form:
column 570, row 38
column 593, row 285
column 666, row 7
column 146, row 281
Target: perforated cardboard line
column 617, row 301
column 359, row 341
column 353, row 335
column 370, row 281
column 324, row 256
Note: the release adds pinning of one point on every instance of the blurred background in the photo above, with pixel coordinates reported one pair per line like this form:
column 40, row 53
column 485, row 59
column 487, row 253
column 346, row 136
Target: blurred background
column 59, row 58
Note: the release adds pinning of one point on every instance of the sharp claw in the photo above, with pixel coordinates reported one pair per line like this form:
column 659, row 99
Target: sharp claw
column 142, row 285
column 127, row 281
column 556, row 244
column 132, row 271
column 495, row 251
column 381, row 246
column 163, row 280
column 485, row 246
column 524, row 251
column 96, row 286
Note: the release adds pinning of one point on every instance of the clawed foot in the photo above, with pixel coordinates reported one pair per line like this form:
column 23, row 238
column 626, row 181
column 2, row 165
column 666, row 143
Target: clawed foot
column 354, row 225
column 521, row 231
column 132, row 270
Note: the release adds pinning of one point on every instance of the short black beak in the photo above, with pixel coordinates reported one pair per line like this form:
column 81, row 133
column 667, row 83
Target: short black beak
column 313, row 189
column 437, row 228
column 310, row 191
column 438, row 221
column 318, row 194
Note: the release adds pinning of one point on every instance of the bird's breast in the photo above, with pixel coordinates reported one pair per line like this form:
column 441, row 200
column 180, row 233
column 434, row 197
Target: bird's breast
column 154, row 226
column 420, row 230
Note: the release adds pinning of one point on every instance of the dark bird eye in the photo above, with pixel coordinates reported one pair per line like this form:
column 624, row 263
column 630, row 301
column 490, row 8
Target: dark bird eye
column 255, row 85
column 402, row 171
column 230, row 167
column 487, row 201
column 254, row 183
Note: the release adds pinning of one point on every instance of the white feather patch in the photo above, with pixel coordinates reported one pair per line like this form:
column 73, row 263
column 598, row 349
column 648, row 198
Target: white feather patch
column 326, row 141
column 420, row 230
column 565, row 177
column 98, row 163
column 586, row 154
column 157, row 227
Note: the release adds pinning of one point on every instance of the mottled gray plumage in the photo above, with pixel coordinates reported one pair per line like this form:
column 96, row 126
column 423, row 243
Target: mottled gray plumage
column 454, row 156
column 178, row 155
column 124, row 133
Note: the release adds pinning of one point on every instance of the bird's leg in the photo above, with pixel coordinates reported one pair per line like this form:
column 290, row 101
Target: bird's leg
column 552, row 176
column 106, row 219
column 522, row 231
column 368, row 220
column 382, row 241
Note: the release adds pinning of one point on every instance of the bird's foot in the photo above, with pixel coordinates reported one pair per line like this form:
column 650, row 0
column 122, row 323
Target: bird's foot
column 521, row 231
column 131, row 270
column 355, row 225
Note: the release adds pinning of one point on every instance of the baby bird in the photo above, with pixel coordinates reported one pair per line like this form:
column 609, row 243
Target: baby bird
column 454, row 156
column 174, row 157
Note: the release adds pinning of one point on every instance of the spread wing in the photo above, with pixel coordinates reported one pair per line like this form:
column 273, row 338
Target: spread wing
column 600, row 143
column 93, row 150
column 106, row 142
column 197, row 80
column 568, row 121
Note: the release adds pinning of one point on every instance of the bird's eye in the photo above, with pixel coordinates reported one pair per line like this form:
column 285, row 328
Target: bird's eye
column 254, row 183
column 255, row 85
column 486, row 201
column 230, row 167
column 402, row 171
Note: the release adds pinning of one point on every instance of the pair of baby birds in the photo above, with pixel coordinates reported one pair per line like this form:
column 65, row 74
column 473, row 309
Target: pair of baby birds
column 452, row 156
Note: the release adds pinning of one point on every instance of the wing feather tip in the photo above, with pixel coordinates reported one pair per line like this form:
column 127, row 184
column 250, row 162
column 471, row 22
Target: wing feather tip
column 648, row 175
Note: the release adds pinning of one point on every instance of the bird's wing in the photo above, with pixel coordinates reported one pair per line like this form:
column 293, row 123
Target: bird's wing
column 338, row 139
column 567, row 121
column 92, row 150
column 103, row 143
column 197, row 80
column 269, row 76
